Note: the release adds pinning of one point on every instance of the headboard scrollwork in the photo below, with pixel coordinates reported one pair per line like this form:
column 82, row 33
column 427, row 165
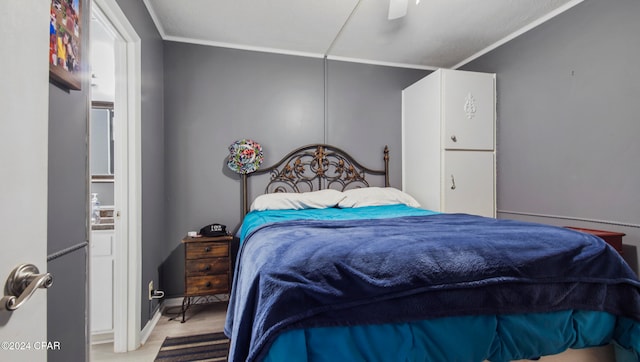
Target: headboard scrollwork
column 317, row 167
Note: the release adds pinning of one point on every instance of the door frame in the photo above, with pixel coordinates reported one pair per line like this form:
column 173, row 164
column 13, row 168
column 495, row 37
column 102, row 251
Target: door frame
column 128, row 185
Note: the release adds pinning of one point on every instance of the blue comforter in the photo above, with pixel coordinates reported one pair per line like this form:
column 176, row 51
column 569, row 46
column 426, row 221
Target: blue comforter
column 310, row 273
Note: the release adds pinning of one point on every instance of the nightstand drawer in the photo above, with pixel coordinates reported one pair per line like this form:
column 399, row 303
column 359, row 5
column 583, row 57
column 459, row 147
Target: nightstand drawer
column 210, row 284
column 206, row 250
column 207, row 266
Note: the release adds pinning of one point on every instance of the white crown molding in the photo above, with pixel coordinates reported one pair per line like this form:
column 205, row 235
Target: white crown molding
column 519, row 32
column 155, row 18
column 242, row 47
column 294, row 53
column 386, row 64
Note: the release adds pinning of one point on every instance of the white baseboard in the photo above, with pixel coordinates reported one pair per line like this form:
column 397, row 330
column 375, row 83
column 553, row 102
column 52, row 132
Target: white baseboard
column 102, row 337
column 151, row 324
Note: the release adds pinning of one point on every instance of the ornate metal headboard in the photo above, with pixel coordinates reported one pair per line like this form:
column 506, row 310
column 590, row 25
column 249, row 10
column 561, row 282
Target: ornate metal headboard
column 316, row 167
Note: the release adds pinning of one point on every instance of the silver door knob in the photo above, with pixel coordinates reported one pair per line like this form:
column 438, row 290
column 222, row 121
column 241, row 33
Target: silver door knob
column 22, row 283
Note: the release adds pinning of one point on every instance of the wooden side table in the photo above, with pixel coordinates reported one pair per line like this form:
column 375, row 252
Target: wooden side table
column 610, row 237
column 207, row 267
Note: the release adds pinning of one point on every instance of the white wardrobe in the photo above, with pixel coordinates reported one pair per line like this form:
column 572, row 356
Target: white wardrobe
column 448, row 142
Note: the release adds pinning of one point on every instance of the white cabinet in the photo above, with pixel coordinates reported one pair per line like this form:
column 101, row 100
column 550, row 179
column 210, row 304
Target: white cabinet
column 448, row 142
column 101, row 279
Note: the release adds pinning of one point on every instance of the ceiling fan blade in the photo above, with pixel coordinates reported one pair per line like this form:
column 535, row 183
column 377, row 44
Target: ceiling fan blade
column 397, row 8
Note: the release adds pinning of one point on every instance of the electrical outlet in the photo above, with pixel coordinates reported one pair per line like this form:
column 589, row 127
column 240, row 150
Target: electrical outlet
column 150, row 290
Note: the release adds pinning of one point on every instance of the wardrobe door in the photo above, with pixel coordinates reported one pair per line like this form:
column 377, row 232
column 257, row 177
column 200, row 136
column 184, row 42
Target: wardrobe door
column 468, row 183
column 468, row 110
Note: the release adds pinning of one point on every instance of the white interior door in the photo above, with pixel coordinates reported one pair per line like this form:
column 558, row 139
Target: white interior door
column 24, row 101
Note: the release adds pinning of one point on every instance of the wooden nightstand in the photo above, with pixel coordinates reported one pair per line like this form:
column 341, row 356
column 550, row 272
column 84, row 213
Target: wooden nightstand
column 610, row 237
column 207, row 267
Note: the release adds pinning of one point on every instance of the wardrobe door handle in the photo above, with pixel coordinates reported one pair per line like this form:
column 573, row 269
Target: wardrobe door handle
column 454, row 138
column 453, row 183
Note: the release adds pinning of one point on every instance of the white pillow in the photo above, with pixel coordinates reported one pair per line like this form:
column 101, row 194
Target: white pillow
column 321, row 199
column 376, row 196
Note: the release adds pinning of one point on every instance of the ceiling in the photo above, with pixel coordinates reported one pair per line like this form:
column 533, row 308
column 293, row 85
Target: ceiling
column 433, row 34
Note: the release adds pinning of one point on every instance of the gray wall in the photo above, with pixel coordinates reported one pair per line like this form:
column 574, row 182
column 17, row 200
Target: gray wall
column 214, row 96
column 152, row 131
column 568, row 121
column 365, row 111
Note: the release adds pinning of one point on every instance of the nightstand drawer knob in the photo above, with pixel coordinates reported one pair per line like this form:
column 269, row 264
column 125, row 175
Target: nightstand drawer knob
column 208, row 285
column 207, row 268
column 207, row 249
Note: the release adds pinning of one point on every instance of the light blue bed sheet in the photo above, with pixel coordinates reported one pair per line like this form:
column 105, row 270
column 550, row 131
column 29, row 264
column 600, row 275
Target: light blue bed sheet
column 464, row 338
column 255, row 219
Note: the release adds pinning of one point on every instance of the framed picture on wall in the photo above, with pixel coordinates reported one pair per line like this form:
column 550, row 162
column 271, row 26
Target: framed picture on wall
column 64, row 43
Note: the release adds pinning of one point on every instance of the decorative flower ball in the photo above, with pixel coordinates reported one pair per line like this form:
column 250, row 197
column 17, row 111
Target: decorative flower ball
column 245, row 156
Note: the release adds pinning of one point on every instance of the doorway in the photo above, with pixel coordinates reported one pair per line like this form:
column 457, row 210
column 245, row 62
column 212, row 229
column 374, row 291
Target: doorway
column 119, row 89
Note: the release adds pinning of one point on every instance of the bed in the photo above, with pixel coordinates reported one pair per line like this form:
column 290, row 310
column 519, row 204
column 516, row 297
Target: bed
column 335, row 267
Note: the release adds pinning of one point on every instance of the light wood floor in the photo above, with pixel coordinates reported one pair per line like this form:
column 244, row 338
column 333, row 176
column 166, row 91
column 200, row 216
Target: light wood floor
column 200, row 319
